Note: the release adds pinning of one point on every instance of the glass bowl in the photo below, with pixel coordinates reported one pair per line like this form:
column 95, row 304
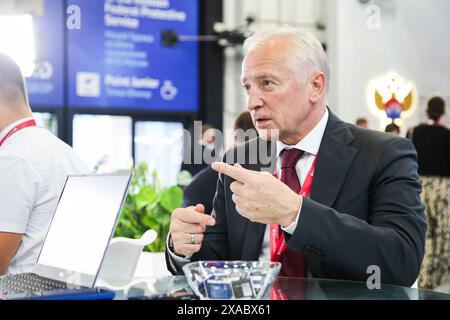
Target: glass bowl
column 231, row 279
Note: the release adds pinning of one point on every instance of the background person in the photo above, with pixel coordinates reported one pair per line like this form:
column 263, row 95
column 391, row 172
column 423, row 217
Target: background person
column 205, row 144
column 432, row 142
column 34, row 165
column 203, row 187
column 392, row 128
column 362, row 123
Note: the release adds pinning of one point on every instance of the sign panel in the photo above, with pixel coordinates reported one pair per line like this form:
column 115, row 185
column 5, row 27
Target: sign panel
column 46, row 85
column 116, row 58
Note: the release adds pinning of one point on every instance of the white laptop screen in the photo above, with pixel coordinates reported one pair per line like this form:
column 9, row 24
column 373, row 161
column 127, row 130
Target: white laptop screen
column 83, row 223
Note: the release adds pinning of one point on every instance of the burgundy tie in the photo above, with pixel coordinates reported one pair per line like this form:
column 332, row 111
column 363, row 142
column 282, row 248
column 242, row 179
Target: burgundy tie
column 293, row 262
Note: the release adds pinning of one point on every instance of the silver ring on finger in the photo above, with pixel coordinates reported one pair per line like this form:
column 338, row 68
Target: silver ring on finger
column 192, row 238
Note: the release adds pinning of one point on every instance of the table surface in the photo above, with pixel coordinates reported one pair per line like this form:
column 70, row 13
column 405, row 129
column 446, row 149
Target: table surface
column 291, row 289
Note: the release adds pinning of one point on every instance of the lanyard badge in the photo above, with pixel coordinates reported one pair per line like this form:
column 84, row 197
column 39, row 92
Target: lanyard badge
column 277, row 243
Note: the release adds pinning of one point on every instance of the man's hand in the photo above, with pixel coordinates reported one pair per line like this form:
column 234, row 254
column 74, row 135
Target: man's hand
column 260, row 197
column 187, row 229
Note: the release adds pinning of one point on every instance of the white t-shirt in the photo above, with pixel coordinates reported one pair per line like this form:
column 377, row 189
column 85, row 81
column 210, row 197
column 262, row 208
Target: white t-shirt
column 34, row 165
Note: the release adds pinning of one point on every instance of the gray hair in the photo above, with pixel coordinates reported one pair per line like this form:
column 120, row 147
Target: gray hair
column 308, row 54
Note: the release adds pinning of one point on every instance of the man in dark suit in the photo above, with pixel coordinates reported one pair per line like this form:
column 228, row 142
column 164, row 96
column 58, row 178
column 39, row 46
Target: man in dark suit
column 348, row 198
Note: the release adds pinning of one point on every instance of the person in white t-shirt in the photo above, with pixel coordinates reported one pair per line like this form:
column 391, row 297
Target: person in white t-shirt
column 34, row 165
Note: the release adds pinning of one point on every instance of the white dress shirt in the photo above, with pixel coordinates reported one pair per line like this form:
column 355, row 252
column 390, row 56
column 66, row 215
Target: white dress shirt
column 310, row 144
column 34, row 165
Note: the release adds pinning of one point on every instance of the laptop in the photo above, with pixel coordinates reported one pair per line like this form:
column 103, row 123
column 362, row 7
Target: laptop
column 77, row 239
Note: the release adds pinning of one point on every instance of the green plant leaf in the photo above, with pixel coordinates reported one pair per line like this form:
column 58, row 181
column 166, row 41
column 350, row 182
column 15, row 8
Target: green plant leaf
column 148, row 206
column 157, row 212
column 150, row 222
column 145, row 196
column 125, row 229
column 171, row 198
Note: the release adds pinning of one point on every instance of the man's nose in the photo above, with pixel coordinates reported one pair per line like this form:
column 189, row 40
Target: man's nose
column 254, row 100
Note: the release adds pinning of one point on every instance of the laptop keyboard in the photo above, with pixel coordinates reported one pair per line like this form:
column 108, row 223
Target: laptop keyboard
column 24, row 282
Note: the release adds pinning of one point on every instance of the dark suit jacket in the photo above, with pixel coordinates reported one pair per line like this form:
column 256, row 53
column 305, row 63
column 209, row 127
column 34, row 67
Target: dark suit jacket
column 201, row 189
column 364, row 209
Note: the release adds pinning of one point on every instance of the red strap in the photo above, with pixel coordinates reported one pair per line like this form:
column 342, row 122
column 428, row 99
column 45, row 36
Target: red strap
column 23, row 125
column 277, row 244
column 277, row 293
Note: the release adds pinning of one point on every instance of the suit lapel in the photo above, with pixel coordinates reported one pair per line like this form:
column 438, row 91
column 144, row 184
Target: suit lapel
column 334, row 160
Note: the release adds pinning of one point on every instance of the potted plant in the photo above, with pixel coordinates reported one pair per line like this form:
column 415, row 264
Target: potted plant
column 148, row 206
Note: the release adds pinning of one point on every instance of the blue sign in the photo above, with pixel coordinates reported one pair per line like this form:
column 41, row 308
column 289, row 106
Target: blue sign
column 116, row 58
column 46, row 86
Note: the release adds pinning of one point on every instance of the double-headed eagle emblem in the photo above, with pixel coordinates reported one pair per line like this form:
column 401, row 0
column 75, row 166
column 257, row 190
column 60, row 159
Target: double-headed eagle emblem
column 394, row 99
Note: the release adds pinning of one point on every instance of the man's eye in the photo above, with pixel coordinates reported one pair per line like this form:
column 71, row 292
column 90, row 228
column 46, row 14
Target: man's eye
column 246, row 87
column 267, row 83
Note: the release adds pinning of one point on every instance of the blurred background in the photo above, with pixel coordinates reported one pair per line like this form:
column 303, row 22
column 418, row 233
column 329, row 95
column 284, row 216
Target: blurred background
column 121, row 85
column 123, row 81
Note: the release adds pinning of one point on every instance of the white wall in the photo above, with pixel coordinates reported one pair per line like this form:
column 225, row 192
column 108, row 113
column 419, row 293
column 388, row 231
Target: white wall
column 413, row 40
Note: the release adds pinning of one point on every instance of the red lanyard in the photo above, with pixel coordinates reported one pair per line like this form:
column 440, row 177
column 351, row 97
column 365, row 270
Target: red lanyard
column 277, row 244
column 23, row 125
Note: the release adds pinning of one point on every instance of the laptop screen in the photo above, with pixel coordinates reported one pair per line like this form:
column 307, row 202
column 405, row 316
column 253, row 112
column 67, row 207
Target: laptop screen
column 82, row 226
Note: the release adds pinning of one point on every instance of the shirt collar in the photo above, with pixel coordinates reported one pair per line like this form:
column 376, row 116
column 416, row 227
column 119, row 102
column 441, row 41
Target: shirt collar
column 311, row 142
column 5, row 131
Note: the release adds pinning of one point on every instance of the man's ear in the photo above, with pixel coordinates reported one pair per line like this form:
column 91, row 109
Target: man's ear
column 318, row 84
